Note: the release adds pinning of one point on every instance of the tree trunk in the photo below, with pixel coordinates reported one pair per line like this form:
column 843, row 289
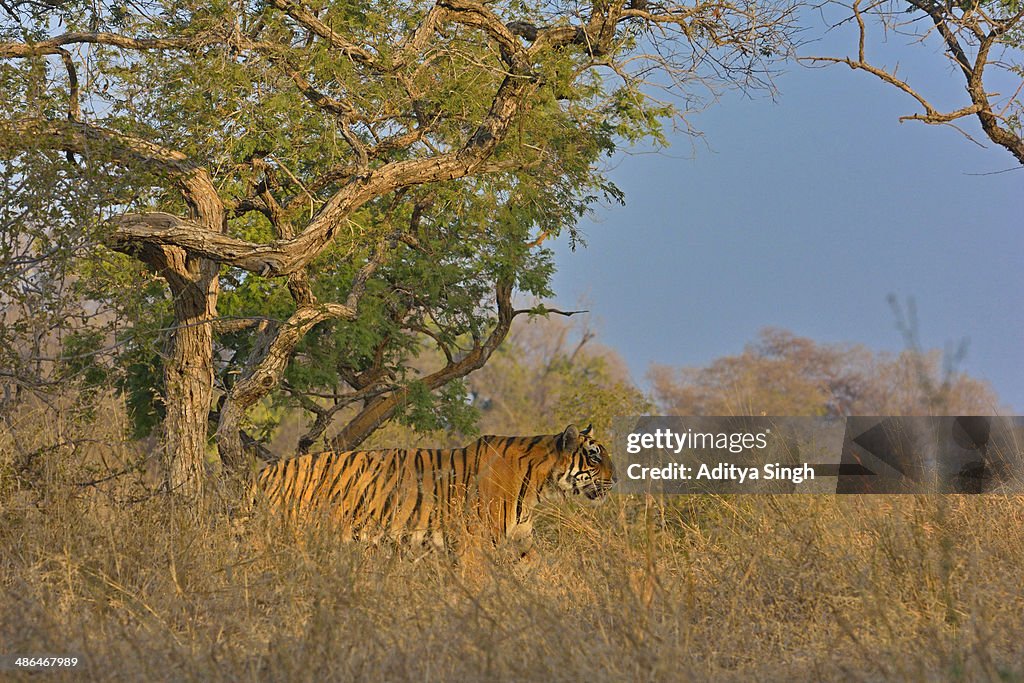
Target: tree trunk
column 188, row 378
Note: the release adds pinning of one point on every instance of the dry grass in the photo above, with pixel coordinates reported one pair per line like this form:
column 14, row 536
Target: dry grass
column 734, row 588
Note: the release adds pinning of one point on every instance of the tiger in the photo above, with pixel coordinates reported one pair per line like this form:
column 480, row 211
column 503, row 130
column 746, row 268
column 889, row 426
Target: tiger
column 429, row 497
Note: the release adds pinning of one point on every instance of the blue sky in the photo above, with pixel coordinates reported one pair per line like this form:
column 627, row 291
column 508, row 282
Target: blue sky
column 805, row 213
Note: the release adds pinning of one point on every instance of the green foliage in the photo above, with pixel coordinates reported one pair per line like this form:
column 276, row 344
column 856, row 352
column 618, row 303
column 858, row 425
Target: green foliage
column 80, row 359
column 140, row 384
column 447, row 409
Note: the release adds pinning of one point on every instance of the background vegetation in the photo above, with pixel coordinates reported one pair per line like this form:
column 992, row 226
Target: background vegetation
column 676, row 588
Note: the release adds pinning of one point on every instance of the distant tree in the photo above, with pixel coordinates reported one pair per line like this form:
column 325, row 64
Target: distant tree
column 553, row 372
column 342, row 181
column 783, row 374
column 979, row 38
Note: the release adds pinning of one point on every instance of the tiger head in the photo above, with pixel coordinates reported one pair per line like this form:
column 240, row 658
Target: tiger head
column 584, row 465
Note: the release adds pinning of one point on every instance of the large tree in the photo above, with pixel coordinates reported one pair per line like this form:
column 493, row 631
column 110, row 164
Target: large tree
column 323, row 186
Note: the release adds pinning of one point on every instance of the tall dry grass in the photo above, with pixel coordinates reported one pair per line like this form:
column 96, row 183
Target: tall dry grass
column 696, row 587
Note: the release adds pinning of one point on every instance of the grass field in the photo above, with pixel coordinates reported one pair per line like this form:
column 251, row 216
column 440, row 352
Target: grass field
column 689, row 587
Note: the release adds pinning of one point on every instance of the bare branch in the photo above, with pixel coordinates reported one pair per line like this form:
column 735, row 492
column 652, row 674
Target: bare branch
column 968, row 37
column 52, row 46
column 309, row 20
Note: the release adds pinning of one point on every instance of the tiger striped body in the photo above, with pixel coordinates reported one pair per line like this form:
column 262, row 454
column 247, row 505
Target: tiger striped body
column 434, row 496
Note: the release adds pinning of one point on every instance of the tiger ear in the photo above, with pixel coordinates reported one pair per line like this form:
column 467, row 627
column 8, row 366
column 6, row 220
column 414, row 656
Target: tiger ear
column 586, row 432
column 569, row 440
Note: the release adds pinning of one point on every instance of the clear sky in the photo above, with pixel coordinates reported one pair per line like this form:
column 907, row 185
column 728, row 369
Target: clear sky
column 805, row 213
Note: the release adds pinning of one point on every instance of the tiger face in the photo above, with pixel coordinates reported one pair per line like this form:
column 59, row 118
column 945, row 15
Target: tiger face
column 586, row 468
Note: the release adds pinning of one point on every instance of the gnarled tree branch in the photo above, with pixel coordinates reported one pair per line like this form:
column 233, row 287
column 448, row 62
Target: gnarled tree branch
column 968, row 37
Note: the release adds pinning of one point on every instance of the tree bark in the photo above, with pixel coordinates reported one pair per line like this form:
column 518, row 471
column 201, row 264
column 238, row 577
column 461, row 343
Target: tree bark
column 188, row 363
column 188, row 379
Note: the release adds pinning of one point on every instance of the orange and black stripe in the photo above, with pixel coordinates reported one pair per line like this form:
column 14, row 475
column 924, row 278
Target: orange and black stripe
column 428, row 495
